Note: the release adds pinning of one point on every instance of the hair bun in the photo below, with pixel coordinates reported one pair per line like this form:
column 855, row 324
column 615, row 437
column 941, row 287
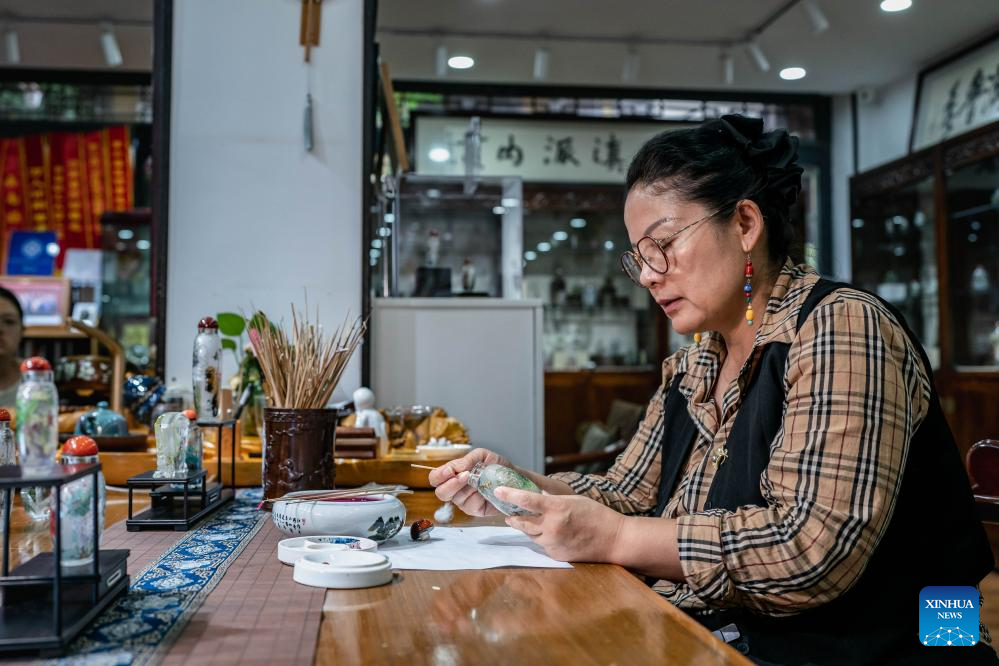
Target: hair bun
column 775, row 152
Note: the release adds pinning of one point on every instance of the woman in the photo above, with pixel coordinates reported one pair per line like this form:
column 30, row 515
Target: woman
column 793, row 482
column 11, row 331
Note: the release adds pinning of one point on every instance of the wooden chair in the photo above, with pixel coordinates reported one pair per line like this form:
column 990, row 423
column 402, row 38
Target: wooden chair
column 983, row 468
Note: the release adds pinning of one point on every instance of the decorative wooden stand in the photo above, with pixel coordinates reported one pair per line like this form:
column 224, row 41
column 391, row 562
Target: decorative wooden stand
column 180, row 502
column 45, row 605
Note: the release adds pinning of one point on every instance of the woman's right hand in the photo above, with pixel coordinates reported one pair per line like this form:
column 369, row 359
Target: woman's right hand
column 451, row 482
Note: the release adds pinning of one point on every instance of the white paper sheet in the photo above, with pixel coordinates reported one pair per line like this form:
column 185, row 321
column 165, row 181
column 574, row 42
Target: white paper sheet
column 456, row 548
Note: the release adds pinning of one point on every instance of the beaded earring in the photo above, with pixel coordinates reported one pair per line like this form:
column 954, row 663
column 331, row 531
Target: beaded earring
column 748, row 289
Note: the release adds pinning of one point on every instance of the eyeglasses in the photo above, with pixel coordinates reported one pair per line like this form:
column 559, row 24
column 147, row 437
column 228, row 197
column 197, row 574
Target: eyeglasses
column 652, row 252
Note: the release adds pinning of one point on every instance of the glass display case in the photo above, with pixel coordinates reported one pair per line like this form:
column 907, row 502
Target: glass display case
column 894, row 252
column 447, row 236
column 973, row 257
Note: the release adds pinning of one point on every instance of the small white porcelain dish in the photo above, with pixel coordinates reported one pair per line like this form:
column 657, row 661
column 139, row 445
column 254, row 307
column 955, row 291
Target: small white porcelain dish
column 375, row 517
column 345, row 569
column 443, row 452
column 290, row 550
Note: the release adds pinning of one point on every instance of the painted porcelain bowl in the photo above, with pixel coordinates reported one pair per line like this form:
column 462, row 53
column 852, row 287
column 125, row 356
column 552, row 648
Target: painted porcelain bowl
column 376, row 517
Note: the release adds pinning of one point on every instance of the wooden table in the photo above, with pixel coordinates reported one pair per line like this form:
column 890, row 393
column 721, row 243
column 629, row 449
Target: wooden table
column 591, row 614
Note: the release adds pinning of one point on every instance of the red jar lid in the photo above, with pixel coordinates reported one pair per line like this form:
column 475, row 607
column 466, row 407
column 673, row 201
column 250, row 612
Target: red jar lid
column 208, row 322
column 35, row 363
column 4, row 415
column 80, row 445
column 190, row 414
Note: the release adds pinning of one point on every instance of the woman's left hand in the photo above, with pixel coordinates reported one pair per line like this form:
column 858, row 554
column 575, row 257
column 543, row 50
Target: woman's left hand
column 571, row 528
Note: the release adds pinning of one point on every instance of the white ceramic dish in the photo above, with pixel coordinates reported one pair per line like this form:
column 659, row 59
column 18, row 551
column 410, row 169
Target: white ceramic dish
column 290, row 550
column 443, row 452
column 345, row 569
column 377, row 517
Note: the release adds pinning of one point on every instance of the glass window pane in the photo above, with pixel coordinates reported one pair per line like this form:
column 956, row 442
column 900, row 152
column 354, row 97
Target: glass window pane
column 973, row 246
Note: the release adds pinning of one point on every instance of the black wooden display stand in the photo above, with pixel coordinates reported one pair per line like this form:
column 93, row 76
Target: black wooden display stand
column 45, row 605
column 180, row 502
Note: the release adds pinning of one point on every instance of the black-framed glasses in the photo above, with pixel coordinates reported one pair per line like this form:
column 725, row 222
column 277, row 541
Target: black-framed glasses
column 652, row 252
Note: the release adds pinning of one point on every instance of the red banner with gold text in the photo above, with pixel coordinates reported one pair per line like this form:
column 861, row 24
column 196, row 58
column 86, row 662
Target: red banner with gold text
column 64, row 182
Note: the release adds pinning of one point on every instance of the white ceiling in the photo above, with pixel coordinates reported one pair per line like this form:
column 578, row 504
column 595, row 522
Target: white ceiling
column 862, row 47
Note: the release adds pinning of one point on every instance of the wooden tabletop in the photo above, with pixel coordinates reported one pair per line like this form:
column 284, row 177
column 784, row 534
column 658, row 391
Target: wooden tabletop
column 591, row 614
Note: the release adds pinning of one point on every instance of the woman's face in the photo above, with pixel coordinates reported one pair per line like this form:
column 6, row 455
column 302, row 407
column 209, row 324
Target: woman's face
column 702, row 290
column 10, row 329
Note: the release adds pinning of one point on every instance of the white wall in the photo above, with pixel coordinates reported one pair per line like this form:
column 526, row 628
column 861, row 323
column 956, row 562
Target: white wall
column 254, row 219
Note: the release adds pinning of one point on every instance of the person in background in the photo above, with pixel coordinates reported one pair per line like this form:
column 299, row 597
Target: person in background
column 11, row 332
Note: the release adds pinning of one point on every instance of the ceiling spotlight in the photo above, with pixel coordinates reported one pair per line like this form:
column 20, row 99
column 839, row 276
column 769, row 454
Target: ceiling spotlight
column 440, row 60
column 819, row 21
column 577, row 223
column 109, row 44
column 895, row 5
column 760, row 58
column 632, row 61
column 498, row 210
column 608, row 245
column 460, row 62
column 12, row 46
column 530, row 255
column 728, row 68
column 544, row 246
column 560, row 235
column 792, row 73
column 439, row 154
column 541, row 64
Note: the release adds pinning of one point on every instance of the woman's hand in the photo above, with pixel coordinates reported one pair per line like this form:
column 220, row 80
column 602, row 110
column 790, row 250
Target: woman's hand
column 451, row 482
column 571, row 528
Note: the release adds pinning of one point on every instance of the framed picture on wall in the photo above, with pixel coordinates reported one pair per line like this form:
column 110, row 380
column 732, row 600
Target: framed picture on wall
column 957, row 95
column 45, row 300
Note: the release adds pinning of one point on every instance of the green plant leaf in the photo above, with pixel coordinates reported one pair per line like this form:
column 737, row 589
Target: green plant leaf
column 231, row 324
column 229, row 343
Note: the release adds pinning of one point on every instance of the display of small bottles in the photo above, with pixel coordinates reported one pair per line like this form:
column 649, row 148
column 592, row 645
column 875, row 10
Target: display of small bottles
column 195, row 448
column 171, row 445
column 37, row 429
column 207, row 370
column 487, row 478
column 76, row 513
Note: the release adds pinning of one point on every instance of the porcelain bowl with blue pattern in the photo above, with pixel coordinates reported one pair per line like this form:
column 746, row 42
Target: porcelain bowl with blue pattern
column 375, row 517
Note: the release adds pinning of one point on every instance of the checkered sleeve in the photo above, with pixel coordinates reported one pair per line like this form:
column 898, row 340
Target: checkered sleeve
column 631, row 485
column 856, row 391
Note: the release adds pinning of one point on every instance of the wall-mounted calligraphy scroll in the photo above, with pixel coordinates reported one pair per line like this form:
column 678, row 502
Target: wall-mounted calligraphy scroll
column 957, row 95
column 567, row 151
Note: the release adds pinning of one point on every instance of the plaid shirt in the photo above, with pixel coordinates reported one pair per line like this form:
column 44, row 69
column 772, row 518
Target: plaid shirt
column 855, row 393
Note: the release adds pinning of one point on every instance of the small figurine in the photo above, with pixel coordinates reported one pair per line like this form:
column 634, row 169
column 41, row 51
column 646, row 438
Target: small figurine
column 369, row 417
column 433, row 247
column 420, row 529
column 467, row 275
column 207, row 370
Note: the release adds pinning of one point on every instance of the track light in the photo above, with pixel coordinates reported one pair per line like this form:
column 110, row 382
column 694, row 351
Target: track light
column 760, row 58
column 819, row 21
column 632, row 62
column 541, row 64
column 12, row 46
column 109, row 44
column 440, row 60
column 728, row 68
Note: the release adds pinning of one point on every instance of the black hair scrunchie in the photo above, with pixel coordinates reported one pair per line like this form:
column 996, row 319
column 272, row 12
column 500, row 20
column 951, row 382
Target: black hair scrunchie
column 776, row 151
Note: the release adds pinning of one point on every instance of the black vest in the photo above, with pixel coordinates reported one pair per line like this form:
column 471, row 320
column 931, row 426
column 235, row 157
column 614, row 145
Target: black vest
column 933, row 537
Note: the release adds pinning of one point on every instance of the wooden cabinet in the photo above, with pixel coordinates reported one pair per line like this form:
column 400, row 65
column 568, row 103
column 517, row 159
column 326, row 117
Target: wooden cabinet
column 572, row 398
column 926, row 237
